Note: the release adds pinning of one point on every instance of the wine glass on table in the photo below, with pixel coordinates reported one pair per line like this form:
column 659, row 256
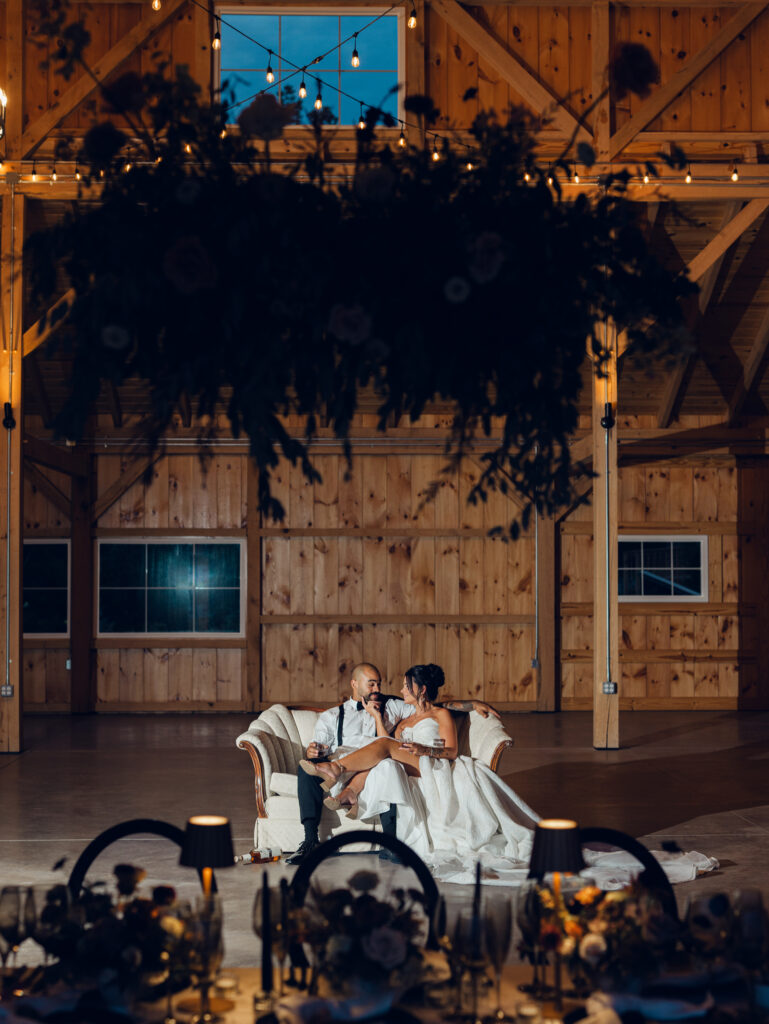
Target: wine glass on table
column 204, row 935
column 498, row 933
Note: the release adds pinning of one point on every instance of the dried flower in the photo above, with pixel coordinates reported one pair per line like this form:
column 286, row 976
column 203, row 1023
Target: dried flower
column 587, row 894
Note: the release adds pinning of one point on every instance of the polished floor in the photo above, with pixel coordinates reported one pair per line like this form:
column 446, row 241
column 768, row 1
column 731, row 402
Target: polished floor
column 698, row 778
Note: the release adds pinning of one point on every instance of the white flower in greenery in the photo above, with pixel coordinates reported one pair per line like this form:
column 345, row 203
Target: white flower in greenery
column 385, row 946
column 456, row 289
column 115, row 337
column 349, row 323
column 592, row 949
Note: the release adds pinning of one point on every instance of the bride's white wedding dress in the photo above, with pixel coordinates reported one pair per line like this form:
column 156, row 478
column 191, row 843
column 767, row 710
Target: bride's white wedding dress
column 458, row 812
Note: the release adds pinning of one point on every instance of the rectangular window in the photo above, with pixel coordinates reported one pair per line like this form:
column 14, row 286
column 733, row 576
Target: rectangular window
column 663, row 568
column 288, row 42
column 45, row 579
column 192, row 587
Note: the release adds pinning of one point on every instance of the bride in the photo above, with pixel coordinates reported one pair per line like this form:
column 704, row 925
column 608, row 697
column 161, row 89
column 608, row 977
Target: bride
column 454, row 810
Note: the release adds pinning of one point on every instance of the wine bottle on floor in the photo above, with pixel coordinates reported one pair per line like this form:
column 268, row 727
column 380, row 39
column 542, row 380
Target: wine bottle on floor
column 258, row 857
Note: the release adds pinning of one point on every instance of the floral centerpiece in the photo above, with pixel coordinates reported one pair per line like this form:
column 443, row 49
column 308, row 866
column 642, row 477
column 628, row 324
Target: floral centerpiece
column 363, row 944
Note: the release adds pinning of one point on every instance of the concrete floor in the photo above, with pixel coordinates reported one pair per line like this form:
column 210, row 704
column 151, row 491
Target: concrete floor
column 699, row 778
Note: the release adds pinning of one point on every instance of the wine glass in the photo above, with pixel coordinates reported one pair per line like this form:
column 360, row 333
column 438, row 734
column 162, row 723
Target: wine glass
column 11, row 921
column 204, row 933
column 174, row 921
column 498, row 932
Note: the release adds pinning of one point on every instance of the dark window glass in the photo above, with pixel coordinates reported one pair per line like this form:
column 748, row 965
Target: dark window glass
column 169, row 565
column 629, row 554
column 656, row 555
column 45, row 611
column 122, row 565
column 377, row 46
column 686, row 554
column 217, row 565
column 657, row 582
column 305, row 37
column 373, row 88
column 122, row 611
column 45, row 565
column 629, row 582
column 169, row 611
column 217, row 611
column 687, row 582
column 240, row 52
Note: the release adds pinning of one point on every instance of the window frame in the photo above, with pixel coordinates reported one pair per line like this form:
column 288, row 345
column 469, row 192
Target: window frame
column 192, row 538
column 335, row 10
column 50, row 636
column 674, row 599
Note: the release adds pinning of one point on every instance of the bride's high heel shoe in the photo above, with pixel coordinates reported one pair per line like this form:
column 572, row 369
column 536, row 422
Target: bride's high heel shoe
column 331, row 771
column 337, row 803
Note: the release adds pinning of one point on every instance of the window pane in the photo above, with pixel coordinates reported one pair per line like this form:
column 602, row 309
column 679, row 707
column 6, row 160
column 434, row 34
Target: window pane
column 629, row 582
column 376, row 89
column 45, row 611
column 122, row 565
column 656, row 554
column 240, row 52
column 217, row 565
column 377, row 46
column 169, row 565
column 307, row 36
column 169, row 611
column 629, row 554
column 238, row 90
column 45, row 565
column 686, row 554
column 217, row 611
column 688, row 582
column 122, row 611
column 657, row 582
column 329, row 86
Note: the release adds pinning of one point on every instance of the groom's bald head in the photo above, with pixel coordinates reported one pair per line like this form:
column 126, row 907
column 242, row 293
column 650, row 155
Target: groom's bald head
column 365, row 680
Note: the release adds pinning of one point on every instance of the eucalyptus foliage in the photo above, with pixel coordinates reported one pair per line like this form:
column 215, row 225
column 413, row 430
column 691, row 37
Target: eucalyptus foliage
column 206, row 270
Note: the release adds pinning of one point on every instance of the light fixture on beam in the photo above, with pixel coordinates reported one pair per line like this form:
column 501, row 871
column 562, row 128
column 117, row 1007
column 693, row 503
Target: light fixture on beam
column 412, row 22
column 216, row 42
column 735, row 175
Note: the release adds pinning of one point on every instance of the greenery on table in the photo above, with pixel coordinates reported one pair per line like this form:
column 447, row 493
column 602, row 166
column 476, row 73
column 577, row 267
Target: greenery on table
column 213, row 273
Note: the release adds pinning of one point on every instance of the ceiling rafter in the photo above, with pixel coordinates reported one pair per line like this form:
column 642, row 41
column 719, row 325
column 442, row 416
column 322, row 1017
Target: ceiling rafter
column 50, row 321
column 47, row 487
column 751, row 370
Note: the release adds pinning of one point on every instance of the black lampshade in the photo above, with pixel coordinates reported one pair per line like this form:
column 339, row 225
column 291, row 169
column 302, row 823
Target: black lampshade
column 207, row 843
column 557, row 847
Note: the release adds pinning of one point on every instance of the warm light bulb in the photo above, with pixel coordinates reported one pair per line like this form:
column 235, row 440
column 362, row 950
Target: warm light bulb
column 156, row 5
column 355, row 56
column 361, row 119
column 402, row 140
column 576, row 178
column 2, row 166
column 127, row 167
column 526, row 176
column 688, row 178
column 223, row 133
column 270, row 76
column 101, row 173
column 412, row 22
column 78, row 175
column 436, row 154
column 550, row 179
column 318, row 102
column 54, row 175
column 470, row 165
column 216, row 42
column 646, row 178
column 735, row 174
column 302, row 90
column 187, row 147
column 34, row 173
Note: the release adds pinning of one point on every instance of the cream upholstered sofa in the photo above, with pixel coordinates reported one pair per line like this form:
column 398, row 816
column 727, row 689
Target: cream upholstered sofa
column 278, row 739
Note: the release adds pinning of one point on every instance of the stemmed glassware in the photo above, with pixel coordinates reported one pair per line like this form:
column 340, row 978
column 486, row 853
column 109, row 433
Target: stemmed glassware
column 11, row 922
column 204, row 932
column 498, row 933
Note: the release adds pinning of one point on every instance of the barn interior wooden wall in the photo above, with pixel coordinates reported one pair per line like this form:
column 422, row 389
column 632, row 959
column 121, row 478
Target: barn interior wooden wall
column 361, row 567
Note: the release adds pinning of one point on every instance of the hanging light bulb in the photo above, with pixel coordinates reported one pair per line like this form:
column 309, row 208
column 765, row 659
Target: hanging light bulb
column 526, row 176
column 127, row 166
column 576, row 177
column 34, row 171
column 402, row 139
column 2, row 166
column 436, row 154
column 735, row 173
column 270, row 76
column 216, row 42
column 54, row 175
column 78, row 175
column 355, row 57
column 187, row 147
column 156, row 5
column 646, row 177
column 361, row 119
column 550, row 179
column 412, row 22
column 302, row 89
column 318, row 104
column 688, row 178
column 101, row 172
column 223, row 133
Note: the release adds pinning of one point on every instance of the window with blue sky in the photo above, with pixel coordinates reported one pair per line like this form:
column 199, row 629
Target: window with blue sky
column 296, row 38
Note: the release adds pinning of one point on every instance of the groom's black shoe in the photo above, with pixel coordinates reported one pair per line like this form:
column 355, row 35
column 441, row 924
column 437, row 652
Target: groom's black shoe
column 304, row 850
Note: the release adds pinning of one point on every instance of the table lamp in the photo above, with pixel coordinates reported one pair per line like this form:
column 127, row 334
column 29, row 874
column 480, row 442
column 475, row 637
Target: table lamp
column 207, row 845
column 557, row 850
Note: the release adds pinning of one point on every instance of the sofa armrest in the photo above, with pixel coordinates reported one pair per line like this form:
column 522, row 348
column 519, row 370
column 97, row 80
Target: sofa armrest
column 260, row 787
column 496, row 757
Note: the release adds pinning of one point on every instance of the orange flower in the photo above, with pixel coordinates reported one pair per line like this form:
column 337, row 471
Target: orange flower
column 587, row 895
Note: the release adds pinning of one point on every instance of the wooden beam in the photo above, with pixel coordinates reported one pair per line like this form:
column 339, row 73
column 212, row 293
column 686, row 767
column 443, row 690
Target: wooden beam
column 11, row 483
column 416, row 74
column 83, row 676
column 135, row 469
column 38, row 386
column 539, row 97
column 664, row 96
column 113, row 400
column 63, row 460
column 600, row 42
column 47, row 487
column 253, row 679
column 727, row 236
column 751, row 370
column 548, row 674
column 87, row 83
column 676, row 380
column 14, row 75
column 606, row 627
column 512, row 494
column 42, row 329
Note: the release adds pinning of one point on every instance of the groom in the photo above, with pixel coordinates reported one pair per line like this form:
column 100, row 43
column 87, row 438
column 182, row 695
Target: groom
column 348, row 727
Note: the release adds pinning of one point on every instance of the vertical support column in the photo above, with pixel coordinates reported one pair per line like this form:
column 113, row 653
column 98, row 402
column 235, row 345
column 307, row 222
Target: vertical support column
column 605, row 602
column 253, row 694
column 14, row 77
column 600, row 41
column 549, row 676
column 11, row 520
column 82, row 676
column 416, row 78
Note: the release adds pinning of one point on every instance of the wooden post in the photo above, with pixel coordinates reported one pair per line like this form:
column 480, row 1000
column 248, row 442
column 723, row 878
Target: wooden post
column 11, row 490
column 416, row 78
column 253, row 694
column 549, row 676
column 605, row 603
column 82, row 676
column 601, row 51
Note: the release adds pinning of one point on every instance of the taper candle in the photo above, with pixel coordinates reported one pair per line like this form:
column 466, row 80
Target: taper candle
column 266, row 937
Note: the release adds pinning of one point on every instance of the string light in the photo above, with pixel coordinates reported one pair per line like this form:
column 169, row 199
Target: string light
column 156, row 5
column 550, row 179
column 735, row 173
column 127, row 166
column 526, row 176
column 2, row 166
column 78, row 175
column 436, row 154
column 576, row 177
column 318, row 104
column 187, row 147
column 302, row 89
column 34, row 171
column 223, row 133
column 688, row 178
column 361, row 119
column 402, row 138
column 412, row 22
column 54, row 175
column 270, row 76
column 355, row 57
column 216, row 42
column 646, row 177
column 470, row 165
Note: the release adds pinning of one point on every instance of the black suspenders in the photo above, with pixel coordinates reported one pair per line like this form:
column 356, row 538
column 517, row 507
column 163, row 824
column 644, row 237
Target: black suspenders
column 340, row 726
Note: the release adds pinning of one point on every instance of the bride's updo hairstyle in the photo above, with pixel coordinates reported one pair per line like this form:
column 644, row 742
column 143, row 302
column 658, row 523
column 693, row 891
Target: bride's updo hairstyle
column 428, row 676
